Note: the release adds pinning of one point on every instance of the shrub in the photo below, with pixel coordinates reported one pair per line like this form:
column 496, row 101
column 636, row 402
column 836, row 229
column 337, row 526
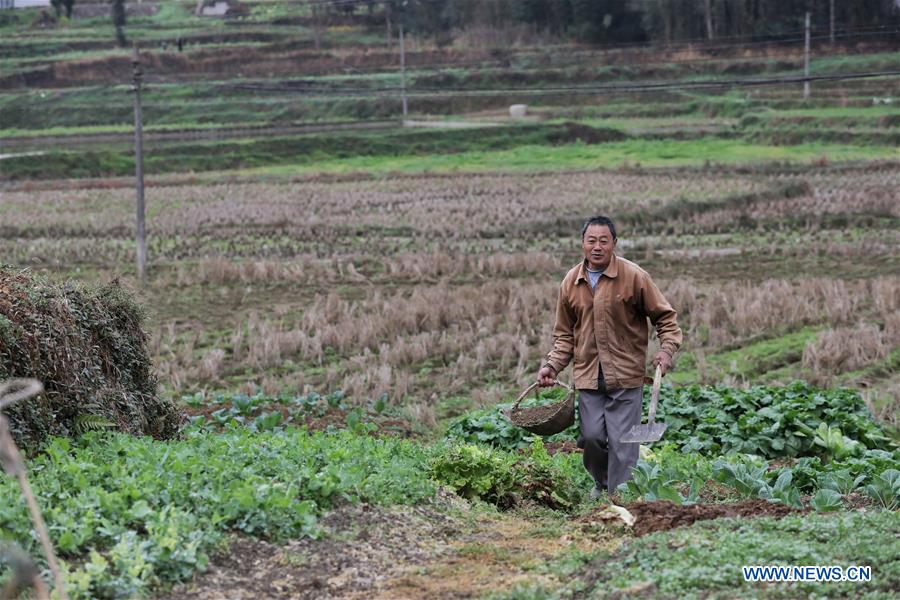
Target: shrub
column 475, row 472
column 88, row 347
column 504, row 478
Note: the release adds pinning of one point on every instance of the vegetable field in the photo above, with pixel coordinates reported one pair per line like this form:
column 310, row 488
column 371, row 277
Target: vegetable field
column 427, row 302
column 334, row 319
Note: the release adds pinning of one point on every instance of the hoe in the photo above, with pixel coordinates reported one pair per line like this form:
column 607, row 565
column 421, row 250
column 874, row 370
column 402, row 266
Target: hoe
column 652, row 431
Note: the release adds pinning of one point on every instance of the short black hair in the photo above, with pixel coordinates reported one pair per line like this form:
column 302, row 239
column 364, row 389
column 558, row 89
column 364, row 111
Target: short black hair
column 599, row 220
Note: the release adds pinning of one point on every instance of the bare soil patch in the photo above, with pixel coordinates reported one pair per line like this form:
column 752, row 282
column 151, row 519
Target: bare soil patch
column 573, row 132
column 447, row 550
column 497, row 552
column 362, row 548
column 664, row 515
column 566, row 447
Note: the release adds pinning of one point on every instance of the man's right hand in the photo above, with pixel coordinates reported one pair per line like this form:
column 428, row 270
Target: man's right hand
column 546, row 376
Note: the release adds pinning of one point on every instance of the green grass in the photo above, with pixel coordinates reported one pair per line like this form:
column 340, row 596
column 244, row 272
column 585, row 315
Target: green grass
column 129, row 129
column 185, row 106
column 646, row 153
column 308, row 149
column 688, row 121
column 705, row 560
column 829, row 112
column 524, row 148
column 883, row 61
column 749, row 363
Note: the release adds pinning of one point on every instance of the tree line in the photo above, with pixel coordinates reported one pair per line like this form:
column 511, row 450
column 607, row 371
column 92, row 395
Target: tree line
column 623, row 21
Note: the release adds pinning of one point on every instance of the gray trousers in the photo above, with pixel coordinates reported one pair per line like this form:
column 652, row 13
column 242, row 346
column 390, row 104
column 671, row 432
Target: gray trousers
column 605, row 418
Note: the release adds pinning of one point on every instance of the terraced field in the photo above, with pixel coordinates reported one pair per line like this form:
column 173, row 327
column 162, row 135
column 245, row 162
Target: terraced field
column 340, row 301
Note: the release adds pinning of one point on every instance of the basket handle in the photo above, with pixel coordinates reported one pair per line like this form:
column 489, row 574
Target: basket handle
column 535, row 385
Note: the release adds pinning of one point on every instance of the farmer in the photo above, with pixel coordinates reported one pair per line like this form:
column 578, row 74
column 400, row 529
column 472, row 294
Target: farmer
column 601, row 320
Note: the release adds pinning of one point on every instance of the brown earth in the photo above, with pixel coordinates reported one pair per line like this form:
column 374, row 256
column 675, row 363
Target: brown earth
column 222, row 62
column 544, row 419
column 663, row 515
column 566, row 447
column 446, row 550
column 572, row 131
column 362, row 547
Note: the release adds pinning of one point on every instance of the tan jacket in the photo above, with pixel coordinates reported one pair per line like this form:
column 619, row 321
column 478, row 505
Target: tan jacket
column 608, row 325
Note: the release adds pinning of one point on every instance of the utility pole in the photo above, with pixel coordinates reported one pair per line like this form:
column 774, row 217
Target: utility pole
column 403, row 71
column 317, row 25
column 709, row 23
column 832, row 22
column 389, row 35
column 806, row 62
column 137, row 75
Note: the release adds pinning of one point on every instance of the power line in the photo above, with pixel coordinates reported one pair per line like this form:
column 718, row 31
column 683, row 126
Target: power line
column 574, row 90
column 589, row 55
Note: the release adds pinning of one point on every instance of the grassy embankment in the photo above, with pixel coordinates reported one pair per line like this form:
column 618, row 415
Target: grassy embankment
column 526, row 148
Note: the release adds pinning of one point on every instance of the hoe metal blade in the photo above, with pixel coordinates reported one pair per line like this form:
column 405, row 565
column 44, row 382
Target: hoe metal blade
column 651, row 431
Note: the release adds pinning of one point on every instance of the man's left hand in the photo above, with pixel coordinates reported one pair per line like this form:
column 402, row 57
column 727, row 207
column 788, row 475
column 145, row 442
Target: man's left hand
column 663, row 360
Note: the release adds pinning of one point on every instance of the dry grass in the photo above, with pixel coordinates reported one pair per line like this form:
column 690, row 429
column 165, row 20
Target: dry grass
column 406, row 266
column 450, row 339
column 428, row 287
column 436, row 337
column 882, row 400
column 847, row 349
column 716, row 316
column 277, row 221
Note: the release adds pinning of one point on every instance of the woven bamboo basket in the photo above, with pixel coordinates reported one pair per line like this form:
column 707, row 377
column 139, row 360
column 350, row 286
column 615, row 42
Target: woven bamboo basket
column 545, row 419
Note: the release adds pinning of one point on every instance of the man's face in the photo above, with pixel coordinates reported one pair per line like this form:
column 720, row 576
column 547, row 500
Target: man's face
column 598, row 245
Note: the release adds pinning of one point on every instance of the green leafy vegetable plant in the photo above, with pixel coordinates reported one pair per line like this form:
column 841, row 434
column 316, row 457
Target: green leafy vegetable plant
column 885, row 489
column 826, row 500
column 747, row 478
column 835, row 445
column 130, row 514
column 770, row 421
column 843, row 482
column 649, row 483
column 506, row 478
column 782, row 492
column 474, row 471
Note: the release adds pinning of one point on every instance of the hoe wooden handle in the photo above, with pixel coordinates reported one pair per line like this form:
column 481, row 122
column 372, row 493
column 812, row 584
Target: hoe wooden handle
column 654, row 395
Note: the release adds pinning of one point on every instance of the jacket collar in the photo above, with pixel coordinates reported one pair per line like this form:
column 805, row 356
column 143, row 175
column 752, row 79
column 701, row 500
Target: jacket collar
column 611, row 270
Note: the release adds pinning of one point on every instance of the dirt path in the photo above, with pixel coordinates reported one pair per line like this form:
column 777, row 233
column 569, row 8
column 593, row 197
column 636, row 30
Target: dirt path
column 447, row 551
column 360, row 549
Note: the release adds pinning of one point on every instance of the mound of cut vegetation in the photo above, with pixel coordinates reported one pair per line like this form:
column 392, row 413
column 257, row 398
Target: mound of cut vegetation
column 87, row 346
